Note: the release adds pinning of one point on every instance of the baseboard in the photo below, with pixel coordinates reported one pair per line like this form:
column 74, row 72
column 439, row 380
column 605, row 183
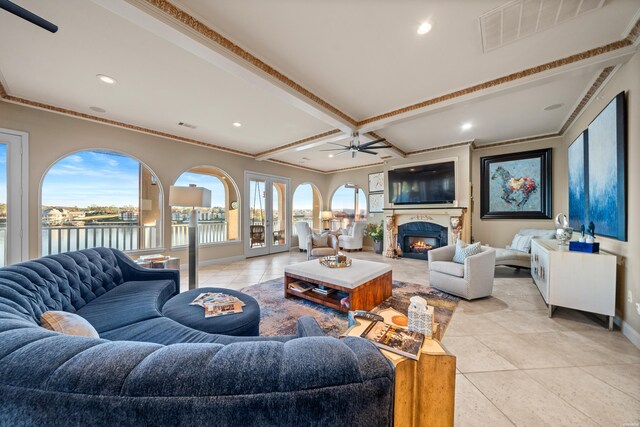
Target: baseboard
column 216, row 261
column 631, row 334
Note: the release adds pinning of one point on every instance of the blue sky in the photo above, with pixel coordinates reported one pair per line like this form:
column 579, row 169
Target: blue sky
column 303, row 197
column 3, row 173
column 92, row 178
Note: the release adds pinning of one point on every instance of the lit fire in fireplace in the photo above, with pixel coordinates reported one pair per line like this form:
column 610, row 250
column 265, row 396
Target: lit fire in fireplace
column 420, row 247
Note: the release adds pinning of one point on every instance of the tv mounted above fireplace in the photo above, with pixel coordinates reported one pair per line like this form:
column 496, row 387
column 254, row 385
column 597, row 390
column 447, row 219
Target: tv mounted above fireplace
column 423, row 185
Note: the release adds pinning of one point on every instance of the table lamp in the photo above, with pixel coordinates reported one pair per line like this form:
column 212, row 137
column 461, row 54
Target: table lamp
column 326, row 217
column 195, row 197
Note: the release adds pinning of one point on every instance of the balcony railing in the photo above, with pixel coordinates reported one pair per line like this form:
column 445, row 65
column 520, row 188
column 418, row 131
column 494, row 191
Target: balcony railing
column 208, row 232
column 57, row 240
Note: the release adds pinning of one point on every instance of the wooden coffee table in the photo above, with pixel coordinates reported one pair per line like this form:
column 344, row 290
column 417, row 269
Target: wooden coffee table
column 366, row 283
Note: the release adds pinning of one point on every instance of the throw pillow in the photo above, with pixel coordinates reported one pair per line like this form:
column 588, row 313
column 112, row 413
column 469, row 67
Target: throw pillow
column 465, row 250
column 319, row 240
column 67, row 323
column 521, row 243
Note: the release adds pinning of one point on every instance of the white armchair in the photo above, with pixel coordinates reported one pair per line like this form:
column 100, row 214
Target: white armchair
column 353, row 240
column 471, row 280
column 304, row 231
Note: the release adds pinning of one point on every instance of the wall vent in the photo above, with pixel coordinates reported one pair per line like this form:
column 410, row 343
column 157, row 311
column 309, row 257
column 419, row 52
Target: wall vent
column 187, row 125
column 521, row 18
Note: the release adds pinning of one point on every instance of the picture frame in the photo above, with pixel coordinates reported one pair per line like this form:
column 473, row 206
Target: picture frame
column 376, row 203
column 598, row 188
column 516, row 185
column 376, row 182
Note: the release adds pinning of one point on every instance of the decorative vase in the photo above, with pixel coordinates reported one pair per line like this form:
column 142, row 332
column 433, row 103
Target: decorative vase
column 377, row 246
column 421, row 316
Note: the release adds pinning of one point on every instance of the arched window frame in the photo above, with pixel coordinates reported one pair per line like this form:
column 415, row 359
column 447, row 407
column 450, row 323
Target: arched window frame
column 343, row 222
column 316, row 209
column 73, row 241
column 233, row 231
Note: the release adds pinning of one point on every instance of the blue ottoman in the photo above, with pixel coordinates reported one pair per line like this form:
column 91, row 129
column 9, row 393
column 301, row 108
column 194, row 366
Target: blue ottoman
column 245, row 324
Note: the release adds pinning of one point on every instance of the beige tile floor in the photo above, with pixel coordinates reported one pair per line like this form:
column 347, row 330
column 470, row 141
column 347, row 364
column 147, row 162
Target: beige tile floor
column 515, row 365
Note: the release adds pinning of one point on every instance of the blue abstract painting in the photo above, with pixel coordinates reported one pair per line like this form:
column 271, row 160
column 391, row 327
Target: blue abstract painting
column 577, row 198
column 514, row 185
column 604, row 168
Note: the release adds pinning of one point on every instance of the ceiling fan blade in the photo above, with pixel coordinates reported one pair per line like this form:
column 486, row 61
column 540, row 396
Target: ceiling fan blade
column 339, row 145
column 367, row 144
column 368, row 152
column 28, row 16
column 336, row 149
column 339, row 154
column 380, row 147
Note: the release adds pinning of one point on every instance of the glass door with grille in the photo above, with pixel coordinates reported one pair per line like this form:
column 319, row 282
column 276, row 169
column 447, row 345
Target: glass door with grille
column 267, row 222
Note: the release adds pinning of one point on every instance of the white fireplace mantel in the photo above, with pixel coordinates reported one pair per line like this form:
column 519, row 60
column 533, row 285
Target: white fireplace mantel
column 400, row 216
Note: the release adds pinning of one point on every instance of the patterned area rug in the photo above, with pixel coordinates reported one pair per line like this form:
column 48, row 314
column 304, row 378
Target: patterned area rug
column 278, row 314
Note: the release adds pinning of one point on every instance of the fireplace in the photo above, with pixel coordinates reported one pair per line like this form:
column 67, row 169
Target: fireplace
column 417, row 238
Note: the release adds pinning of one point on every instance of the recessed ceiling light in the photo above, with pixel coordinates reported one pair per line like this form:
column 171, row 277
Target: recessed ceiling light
column 98, row 109
column 466, row 126
column 106, row 79
column 424, row 28
column 330, row 155
column 237, row 124
column 552, row 107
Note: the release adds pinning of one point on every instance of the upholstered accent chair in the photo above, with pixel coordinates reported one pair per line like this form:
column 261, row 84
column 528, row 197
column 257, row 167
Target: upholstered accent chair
column 471, row 280
column 317, row 247
column 352, row 240
column 303, row 230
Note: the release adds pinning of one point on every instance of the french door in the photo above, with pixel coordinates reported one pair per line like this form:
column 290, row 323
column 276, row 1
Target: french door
column 13, row 196
column 267, row 214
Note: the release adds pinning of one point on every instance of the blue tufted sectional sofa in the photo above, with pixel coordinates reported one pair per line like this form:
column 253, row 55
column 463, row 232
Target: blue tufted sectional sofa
column 147, row 369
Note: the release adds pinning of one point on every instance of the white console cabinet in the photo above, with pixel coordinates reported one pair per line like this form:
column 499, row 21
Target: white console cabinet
column 577, row 280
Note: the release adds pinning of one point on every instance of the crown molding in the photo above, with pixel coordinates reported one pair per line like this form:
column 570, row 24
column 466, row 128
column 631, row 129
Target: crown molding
column 65, row 111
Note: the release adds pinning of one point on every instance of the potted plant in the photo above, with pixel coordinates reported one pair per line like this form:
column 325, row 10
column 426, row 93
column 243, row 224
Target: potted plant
column 376, row 232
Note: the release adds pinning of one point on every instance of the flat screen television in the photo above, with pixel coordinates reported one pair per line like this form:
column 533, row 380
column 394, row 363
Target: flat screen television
column 423, row 185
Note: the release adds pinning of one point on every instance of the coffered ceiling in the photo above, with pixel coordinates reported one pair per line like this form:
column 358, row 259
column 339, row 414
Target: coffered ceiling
column 299, row 74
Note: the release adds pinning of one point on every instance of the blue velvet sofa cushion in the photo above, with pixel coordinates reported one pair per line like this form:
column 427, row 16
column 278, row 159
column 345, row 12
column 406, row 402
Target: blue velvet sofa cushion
column 47, row 378
column 131, row 301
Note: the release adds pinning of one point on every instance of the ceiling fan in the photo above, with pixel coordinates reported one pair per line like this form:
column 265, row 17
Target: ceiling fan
column 28, row 16
column 355, row 146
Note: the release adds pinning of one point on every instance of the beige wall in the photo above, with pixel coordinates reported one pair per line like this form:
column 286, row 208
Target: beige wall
column 53, row 136
column 627, row 79
column 499, row 232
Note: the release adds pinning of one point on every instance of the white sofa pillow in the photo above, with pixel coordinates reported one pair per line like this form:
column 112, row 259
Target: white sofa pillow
column 521, row 243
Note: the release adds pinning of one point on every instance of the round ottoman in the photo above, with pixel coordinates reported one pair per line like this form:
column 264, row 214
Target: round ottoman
column 245, row 324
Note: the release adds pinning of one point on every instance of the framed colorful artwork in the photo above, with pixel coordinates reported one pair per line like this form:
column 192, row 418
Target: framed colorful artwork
column 516, row 185
column 376, row 182
column 376, row 203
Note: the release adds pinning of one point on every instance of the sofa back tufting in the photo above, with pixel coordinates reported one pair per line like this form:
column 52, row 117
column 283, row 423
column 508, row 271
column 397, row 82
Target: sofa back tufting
column 63, row 282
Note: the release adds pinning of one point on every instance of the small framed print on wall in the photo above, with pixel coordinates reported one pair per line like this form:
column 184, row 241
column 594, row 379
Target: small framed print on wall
column 376, row 182
column 376, row 203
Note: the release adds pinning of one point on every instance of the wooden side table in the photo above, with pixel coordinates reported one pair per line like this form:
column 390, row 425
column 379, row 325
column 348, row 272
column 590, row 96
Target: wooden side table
column 424, row 389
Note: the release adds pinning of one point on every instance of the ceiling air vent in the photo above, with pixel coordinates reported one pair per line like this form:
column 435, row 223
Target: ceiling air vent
column 521, row 18
column 187, row 125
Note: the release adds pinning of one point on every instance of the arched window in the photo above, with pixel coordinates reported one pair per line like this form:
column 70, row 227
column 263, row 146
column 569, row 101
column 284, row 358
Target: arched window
column 220, row 222
column 348, row 204
column 100, row 198
column 307, row 204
